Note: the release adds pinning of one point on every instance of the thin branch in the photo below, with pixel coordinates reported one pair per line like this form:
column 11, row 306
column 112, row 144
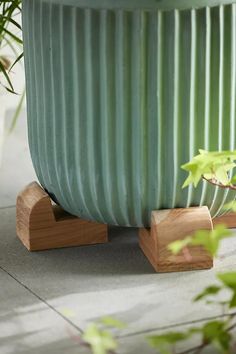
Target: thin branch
column 196, row 349
column 231, row 327
column 217, row 184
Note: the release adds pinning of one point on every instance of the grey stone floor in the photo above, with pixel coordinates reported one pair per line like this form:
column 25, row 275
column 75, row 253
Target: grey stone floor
column 48, row 298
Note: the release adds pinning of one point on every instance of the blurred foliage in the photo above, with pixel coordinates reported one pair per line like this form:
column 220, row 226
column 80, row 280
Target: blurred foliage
column 210, row 240
column 10, row 38
column 10, row 35
column 99, row 338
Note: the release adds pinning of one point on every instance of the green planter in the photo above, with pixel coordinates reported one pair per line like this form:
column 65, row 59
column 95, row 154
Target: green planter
column 122, row 92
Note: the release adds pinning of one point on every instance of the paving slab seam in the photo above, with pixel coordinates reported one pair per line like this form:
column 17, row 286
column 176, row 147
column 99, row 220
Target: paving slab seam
column 7, row 207
column 187, row 323
column 42, row 300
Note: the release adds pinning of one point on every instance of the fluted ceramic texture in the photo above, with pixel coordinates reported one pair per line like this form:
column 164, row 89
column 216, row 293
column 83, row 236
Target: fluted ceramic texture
column 119, row 99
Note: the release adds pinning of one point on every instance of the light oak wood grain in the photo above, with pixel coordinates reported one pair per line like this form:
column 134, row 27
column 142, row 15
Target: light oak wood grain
column 229, row 220
column 41, row 225
column 168, row 226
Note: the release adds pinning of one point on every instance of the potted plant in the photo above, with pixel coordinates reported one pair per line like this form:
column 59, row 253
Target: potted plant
column 120, row 93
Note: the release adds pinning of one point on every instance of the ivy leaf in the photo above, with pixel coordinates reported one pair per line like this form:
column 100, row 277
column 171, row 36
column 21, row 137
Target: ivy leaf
column 177, row 246
column 229, row 166
column 195, row 174
column 233, row 179
column 112, row 322
column 100, row 341
column 210, row 240
column 165, row 342
column 216, row 333
column 229, row 280
column 233, row 301
column 212, row 165
column 210, row 290
column 221, row 176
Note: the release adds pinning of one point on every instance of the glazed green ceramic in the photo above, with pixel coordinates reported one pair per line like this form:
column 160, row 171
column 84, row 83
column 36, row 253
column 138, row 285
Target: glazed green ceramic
column 120, row 93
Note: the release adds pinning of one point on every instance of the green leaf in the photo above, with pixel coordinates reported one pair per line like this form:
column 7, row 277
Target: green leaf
column 16, row 61
column 11, row 91
column 210, row 290
column 222, row 176
column 233, row 179
column 165, row 342
column 100, row 341
column 112, row 322
column 9, row 19
column 214, row 165
column 228, row 279
column 13, row 36
column 210, row 240
column 216, row 333
column 233, row 301
column 195, row 174
column 8, row 27
column 177, row 246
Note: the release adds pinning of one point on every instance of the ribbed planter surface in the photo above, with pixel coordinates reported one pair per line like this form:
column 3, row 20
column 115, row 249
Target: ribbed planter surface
column 120, row 94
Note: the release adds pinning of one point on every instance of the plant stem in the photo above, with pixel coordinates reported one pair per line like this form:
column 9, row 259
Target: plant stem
column 199, row 348
column 195, row 350
column 231, row 327
column 217, row 184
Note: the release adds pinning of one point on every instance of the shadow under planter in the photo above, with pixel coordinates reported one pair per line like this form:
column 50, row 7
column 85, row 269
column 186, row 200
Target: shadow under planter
column 42, row 226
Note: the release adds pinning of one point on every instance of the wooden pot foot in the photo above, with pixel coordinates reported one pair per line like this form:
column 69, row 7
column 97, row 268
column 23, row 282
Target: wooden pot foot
column 41, row 225
column 228, row 220
column 168, row 226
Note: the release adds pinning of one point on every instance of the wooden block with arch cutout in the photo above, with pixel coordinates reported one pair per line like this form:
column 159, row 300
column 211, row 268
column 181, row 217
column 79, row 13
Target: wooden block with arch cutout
column 42, row 226
column 168, row 226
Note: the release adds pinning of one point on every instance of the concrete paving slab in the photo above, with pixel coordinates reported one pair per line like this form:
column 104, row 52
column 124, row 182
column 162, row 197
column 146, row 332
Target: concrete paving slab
column 84, row 284
column 27, row 325
column 115, row 279
column 139, row 344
